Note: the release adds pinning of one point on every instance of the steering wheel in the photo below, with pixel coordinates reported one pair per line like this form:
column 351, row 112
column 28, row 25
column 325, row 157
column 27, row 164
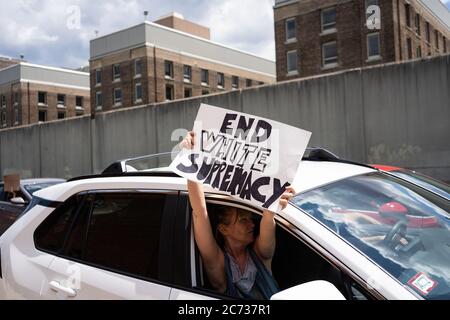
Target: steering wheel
column 397, row 231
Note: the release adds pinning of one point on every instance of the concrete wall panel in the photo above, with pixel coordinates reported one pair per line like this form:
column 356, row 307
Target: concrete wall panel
column 20, row 152
column 65, row 148
column 396, row 114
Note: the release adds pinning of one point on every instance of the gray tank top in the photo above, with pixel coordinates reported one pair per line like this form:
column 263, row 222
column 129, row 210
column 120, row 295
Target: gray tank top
column 261, row 282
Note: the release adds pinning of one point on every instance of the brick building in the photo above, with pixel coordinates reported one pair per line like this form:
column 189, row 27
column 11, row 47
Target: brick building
column 320, row 36
column 169, row 59
column 32, row 93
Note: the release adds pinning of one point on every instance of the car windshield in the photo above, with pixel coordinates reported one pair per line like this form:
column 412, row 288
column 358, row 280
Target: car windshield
column 33, row 187
column 431, row 184
column 398, row 225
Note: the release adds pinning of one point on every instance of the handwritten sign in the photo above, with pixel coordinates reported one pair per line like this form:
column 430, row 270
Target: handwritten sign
column 245, row 156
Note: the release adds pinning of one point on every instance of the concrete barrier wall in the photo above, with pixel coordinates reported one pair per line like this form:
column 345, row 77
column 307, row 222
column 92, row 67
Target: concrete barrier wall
column 397, row 114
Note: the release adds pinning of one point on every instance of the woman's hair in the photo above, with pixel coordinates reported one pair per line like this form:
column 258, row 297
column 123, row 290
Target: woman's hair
column 219, row 214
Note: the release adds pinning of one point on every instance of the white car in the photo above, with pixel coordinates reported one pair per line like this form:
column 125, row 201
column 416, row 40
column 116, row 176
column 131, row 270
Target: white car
column 351, row 232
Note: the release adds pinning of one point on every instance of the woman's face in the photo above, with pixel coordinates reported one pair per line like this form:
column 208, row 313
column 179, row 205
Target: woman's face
column 241, row 227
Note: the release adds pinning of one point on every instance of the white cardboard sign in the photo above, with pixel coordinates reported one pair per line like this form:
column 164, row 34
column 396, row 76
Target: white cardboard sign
column 245, row 156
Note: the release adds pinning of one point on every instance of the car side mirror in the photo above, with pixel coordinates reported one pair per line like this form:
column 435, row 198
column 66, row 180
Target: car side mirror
column 17, row 200
column 314, row 290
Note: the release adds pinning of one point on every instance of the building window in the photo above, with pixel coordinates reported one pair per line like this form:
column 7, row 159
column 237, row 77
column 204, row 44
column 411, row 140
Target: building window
column 187, row 92
column 169, row 92
column 168, row 69
column 42, row 98
column 42, row 115
column 205, row 92
column 79, row 102
column 61, row 114
column 187, row 73
column 137, row 67
column 409, row 48
column 329, row 19
column 3, row 119
column 16, row 98
column 371, row 3
column 16, row 116
column 205, row 77
column 117, row 96
column 418, row 24
column 116, row 72
column 292, row 61
column 436, row 33
column 98, row 76
column 248, row 83
column 3, row 101
column 419, row 52
column 61, row 100
column 408, row 15
column 329, row 54
column 428, row 35
column 138, row 92
column 234, row 82
column 220, row 80
column 373, row 45
column 290, row 30
column 445, row 45
column 98, row 99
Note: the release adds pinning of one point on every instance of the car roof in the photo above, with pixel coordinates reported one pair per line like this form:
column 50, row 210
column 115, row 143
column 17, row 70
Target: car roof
column 41, row 180
column 310, row 175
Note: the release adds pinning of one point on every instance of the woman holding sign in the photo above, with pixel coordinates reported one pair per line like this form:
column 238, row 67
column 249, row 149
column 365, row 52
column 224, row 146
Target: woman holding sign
column 241, row 265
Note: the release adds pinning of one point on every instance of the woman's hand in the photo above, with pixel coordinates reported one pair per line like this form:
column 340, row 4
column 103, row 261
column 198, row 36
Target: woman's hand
column 286, row 196
column 188, row 141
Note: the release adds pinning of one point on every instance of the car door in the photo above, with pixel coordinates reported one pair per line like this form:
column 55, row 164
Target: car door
column 114, row 248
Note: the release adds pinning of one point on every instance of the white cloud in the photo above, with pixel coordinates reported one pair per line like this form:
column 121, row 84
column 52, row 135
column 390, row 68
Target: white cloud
column 39, row 28
column 245, row 25
column 40, row 31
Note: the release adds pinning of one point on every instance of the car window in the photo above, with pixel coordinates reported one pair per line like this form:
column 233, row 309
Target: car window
column 401, row 227
column 431, row 184
column 203, row 283
column 123, row 233
column 2, row 193
column 293, row 263
column 76, row 241
column 296, row 263
column 51, row 233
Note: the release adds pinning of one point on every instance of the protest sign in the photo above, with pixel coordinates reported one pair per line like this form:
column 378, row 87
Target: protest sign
column 245, row 156
column 11, row 183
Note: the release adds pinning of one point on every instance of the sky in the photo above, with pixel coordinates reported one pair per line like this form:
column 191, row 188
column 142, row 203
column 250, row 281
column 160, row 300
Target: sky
column 57, row 32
